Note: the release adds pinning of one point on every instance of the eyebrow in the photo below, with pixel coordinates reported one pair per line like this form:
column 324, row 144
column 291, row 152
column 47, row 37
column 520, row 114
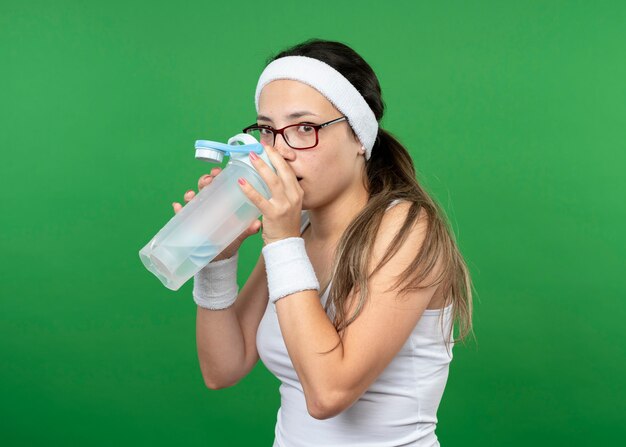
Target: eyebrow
column 291, row 116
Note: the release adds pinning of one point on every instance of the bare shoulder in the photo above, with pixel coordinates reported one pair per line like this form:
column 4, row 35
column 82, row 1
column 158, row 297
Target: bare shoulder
column 399, row 211
column 388, row 315
column 392, row 223
column 404, row 256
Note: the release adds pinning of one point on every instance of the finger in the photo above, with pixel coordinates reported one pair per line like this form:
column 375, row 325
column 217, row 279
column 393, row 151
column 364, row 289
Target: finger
column 261, row 203
column 293, row 190
column 284, row 171
column 177, row 207
column 189, row 195
column 254, row 227
column 270, row 177
column 204, row 180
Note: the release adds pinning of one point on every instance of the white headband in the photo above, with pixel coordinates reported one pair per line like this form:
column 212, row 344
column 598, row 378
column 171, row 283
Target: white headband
column 330, row 83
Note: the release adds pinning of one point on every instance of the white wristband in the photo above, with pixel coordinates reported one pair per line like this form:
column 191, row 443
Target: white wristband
column 288, row 268
column 215, row 286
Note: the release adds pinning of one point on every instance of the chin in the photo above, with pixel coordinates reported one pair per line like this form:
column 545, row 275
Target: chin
column 306, row 205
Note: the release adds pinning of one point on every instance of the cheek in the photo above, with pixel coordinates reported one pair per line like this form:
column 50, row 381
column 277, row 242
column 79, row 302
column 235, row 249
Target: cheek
column 328, row 173
column 321, row 166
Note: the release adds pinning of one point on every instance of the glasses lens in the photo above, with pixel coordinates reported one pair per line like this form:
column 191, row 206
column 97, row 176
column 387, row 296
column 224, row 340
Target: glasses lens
column 262, row 135
column 300, row 136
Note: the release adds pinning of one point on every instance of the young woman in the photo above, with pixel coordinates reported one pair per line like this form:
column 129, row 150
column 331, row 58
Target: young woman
column 357, row 270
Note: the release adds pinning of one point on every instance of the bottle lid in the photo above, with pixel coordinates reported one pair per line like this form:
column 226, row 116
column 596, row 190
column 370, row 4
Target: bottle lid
column 255, row 146
column 210, row 155
column 238, row 148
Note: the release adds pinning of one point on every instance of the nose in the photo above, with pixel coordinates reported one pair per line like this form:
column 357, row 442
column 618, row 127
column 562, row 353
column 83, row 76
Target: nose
column 281, row 146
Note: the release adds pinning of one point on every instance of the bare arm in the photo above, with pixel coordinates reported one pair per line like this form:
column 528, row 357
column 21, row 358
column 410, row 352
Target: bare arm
column 333, row 381
column 226, row 338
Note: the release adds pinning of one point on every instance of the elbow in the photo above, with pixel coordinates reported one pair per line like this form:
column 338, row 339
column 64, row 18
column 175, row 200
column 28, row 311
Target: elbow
column 220, row 378
column 326, row 406
column 322, row 413
column 214, row 384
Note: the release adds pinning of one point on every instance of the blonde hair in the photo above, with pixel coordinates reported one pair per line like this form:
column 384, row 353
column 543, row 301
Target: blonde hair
column 390, row 175
column 350, row 262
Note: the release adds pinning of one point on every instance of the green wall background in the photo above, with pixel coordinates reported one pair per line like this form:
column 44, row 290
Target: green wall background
column 514, row 112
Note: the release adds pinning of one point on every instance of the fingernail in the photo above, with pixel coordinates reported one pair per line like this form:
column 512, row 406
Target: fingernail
column 242, row 181
column 253, row 156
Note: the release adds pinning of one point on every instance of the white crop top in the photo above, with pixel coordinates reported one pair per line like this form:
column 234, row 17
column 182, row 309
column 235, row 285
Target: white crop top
column 398, row 409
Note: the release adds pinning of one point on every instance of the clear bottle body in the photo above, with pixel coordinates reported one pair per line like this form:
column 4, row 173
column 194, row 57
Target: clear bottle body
column 204, row 227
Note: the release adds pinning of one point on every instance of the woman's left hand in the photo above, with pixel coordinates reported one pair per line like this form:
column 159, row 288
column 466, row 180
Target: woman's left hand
column 281, row 213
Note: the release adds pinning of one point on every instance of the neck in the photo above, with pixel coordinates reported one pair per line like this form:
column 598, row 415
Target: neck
column 329, row 222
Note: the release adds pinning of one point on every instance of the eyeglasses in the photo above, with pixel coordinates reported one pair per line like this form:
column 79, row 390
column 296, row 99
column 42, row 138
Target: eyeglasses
column 297, row 136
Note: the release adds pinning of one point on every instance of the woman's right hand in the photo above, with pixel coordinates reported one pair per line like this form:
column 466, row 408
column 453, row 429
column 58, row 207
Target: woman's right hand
column 232, row 249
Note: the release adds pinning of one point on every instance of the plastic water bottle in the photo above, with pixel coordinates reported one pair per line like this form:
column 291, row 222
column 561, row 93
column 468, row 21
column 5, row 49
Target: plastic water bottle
column 213, row 219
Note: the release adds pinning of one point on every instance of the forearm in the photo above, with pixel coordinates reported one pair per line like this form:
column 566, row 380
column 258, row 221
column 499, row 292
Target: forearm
column 219, row 337
column 221, row 349
column 309, row 335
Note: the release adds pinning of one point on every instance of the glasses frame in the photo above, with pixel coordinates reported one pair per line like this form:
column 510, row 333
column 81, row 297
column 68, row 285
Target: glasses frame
column 317, row 128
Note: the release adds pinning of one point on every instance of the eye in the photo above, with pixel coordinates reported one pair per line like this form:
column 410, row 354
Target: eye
column 265, row 131
column 304, row 129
